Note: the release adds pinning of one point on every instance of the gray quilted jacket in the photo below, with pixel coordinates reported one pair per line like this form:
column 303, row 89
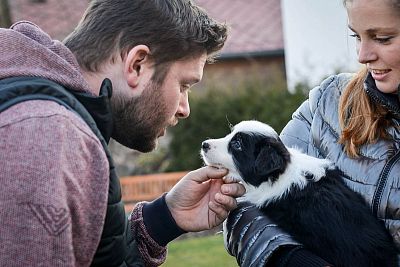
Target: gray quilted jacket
column 314, row 128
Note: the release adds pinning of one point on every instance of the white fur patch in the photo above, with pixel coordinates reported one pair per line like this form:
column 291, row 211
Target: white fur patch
column 254, row 127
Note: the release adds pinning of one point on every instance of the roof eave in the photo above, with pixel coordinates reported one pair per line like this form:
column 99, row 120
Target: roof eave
column 255, row 54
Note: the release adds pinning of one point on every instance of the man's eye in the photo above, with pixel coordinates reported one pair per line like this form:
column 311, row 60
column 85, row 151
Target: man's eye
column 185, row 87
column 236, row 145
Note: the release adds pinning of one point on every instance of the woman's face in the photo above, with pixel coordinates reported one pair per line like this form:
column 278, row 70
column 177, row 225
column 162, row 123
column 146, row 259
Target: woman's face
column 376, row 25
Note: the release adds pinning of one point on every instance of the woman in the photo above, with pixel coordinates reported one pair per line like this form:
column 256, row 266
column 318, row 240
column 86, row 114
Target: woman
column 352, row 120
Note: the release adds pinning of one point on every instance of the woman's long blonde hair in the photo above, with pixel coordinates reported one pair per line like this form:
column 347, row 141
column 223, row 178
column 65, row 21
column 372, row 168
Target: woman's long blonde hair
column 362, row 121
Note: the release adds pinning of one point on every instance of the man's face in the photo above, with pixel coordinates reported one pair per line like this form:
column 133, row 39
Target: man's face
column 141, row 120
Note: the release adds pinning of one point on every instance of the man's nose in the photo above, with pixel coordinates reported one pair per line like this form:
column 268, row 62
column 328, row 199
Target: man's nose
column 184, row 108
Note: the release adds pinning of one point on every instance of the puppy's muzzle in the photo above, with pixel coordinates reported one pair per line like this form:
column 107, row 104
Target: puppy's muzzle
column 205, row 146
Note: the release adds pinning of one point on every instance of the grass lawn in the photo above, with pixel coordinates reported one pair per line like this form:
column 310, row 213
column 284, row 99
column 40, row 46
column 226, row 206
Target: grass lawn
column 206, row 251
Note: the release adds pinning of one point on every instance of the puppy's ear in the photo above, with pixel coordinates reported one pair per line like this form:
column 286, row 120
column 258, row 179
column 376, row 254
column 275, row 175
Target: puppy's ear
column 270, row 162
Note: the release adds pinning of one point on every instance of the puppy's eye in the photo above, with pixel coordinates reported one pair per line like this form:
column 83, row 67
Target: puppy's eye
column 236, row 145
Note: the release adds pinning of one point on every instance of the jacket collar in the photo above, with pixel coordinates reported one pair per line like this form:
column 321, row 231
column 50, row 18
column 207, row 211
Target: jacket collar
column 99, row 108
column 389, row 101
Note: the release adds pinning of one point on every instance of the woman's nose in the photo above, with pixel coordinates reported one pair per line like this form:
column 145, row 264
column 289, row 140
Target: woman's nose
column 366, row 52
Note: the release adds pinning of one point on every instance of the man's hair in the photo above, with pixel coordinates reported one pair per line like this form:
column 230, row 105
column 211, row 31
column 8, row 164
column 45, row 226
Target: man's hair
column 172, row 29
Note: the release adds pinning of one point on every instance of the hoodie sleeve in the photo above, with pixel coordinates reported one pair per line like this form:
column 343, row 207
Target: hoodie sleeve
column 153, row 227
column 54, row 187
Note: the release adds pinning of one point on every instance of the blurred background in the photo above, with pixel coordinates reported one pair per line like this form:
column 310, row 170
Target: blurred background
column 277, row 50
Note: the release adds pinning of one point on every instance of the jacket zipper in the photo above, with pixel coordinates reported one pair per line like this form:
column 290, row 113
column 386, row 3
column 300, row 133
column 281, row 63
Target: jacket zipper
column 376, row 200
column 383, row 177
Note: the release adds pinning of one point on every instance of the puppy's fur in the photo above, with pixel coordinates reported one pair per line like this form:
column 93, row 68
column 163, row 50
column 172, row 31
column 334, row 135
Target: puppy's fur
column 305, row 196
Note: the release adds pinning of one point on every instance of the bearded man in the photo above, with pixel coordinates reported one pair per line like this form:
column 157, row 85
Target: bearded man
column 124, row 73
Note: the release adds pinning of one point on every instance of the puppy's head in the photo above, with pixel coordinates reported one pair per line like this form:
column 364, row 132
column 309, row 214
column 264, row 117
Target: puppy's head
column 252, row 152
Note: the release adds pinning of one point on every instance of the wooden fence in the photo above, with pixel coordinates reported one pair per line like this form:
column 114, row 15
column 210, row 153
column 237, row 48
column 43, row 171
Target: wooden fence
column 147, row 187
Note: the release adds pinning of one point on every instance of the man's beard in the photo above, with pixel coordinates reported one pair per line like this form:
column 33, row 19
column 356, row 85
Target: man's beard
column 138, row 122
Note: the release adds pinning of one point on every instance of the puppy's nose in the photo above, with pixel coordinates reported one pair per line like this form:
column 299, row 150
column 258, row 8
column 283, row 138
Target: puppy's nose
column 205, row 146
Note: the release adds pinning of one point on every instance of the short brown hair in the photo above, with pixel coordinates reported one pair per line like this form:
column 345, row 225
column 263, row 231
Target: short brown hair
column 172, row 29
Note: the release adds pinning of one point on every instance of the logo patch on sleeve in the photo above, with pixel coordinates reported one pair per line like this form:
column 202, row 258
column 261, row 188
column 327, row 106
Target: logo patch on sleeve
column 55, row 220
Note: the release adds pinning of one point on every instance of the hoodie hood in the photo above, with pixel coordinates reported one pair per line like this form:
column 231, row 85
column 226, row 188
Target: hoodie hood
column 25, row 50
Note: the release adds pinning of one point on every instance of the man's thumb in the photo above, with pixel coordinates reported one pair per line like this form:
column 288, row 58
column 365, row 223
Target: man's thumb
column 206, row 173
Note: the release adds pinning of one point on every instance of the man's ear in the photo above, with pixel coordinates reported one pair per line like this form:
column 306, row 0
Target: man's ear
column 136, row 61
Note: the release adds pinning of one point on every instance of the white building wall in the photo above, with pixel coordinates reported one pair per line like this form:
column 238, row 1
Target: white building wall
column 317, row 41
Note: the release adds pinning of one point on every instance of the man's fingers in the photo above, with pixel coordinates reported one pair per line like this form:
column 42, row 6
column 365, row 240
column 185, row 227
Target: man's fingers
column 233, row 190
column 206, row 173
column 220, row 212
column 228, row 203
column 229, row 180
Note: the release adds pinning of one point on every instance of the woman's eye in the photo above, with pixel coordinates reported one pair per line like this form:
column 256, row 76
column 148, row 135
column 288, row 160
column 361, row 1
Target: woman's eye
column 355, row 36
column 379, row 39
column 236, row 145
column 383, row 40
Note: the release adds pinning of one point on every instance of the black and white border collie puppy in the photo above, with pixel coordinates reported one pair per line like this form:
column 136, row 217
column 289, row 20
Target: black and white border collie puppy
column 304, row 196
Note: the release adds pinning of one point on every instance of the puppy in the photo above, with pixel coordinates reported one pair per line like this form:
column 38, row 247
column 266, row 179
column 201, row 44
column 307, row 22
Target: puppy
column 304, row 196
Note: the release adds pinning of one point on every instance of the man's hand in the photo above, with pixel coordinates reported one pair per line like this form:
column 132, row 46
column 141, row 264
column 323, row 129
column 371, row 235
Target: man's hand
column 201, row 200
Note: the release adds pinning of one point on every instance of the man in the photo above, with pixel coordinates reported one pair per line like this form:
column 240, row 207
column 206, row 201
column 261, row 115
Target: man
column 59, row 195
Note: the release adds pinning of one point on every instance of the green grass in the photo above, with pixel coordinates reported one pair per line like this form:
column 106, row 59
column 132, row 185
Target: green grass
column 206, row 251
